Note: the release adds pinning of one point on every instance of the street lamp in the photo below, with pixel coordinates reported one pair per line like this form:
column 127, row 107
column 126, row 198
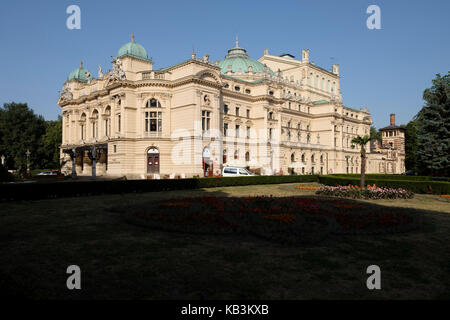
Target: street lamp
column 3, row 160
column 28, row 161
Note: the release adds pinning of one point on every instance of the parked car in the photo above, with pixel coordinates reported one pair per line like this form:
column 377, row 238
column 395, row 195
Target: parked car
column 236, row 172
column 46, row 173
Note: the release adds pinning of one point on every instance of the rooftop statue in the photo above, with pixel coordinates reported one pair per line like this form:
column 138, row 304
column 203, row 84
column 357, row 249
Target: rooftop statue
column 65, row 92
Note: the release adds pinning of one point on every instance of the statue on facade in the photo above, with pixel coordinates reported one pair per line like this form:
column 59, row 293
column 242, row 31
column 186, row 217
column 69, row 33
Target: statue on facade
column 117, row 74
column 100, row 72
column 88, row 76
column 65, row 92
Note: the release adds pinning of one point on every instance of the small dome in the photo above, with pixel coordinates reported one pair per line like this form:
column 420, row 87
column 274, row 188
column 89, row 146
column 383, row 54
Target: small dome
column 134, row 50
column 78, row 74
column 237, row 60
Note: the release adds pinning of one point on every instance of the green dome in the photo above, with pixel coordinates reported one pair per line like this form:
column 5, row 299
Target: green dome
column 78, row 74
column 239, row 61
column 134, row 50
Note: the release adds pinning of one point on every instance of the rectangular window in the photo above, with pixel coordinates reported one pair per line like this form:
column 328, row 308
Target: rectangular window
column 225, row 109
column 153, row 121
column 248, row 113
column 237, row 111
column 225, row 129
column 237, row 131
column 206, row 119
column 248, row 132
column 119, row 123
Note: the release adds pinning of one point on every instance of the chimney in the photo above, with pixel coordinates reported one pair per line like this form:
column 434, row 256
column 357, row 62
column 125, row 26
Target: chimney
column 392, row 119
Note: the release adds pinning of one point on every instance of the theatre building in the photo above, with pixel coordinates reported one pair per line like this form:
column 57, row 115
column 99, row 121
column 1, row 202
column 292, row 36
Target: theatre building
column 274, row 115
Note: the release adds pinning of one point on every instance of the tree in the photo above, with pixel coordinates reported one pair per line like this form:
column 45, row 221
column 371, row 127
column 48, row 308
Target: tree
column 433, row 129
column 20, row 130
column 50, row 144
column 362, row 141
column 411, row 146
column 375, row 134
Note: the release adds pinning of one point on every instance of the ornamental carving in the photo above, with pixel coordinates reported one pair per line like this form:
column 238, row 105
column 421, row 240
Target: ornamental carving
column 65, row 93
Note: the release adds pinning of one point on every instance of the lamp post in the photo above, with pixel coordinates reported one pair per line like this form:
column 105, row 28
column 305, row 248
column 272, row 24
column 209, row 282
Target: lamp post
column 28, row 153
column 3, row 160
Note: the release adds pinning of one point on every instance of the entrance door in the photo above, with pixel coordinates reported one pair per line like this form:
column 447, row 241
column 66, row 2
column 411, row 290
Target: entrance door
column 153, row 161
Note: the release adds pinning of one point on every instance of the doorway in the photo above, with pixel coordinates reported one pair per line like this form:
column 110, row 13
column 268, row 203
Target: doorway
column 153, row 161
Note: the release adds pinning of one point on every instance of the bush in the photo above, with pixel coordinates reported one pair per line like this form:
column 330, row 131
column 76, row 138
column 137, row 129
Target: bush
column 371, row 192
column 87, row 188
column 5, row 176
column 427, row 186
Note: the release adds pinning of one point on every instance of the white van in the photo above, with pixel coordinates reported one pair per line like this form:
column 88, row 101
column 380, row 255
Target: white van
column 236, row 172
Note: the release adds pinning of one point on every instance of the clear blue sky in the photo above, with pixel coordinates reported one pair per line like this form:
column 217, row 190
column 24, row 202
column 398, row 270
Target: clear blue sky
column 385, row 70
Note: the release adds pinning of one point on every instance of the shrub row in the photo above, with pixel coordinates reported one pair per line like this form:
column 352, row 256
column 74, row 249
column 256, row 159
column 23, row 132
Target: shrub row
column 377, row 176
column 33, row 191
column 435, row 187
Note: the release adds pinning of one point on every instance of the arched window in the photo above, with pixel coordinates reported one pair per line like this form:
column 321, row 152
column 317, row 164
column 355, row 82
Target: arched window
column 108, row 121
column 83, row 126
column 293, row 157
column 153, row 103
column 316, row 84
column 312, row 158
column 321, row 158
column 310, row 79
column 95, row 124
column 303, row 158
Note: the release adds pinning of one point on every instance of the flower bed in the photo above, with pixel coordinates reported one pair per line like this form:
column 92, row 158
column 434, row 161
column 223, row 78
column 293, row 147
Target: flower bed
column 291, row 220
column 371, row 192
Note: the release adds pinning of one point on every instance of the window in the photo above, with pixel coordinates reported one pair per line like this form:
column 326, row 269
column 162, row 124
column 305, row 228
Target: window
column 153, row 103
column 248, row 132
column 224, row 156
column 115, row 148
column 83, row 126
column 335, row 142
column 247, row 91
column 225, row 109
column 303, row 158
column 206, row 119
column 119, row 122
column 153, row 121
column 225, row 129
column 230, row 170
column 308, row 138
column 243, row 172
column 289, row 135
column 293, row 157
column 237, row 88
column 312, row 158
column 237, row 111
column 108, row 121
column 270, row 133
column 226, row 85
column 270, row 115
column 236, row 154
column 248, row 113
column 95, row 124
column 321, row 159
column 247, row 156
column 270, row 93
column 237, row 131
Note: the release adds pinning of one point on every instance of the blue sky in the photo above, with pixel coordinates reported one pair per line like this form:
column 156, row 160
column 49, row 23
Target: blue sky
column 385, row 70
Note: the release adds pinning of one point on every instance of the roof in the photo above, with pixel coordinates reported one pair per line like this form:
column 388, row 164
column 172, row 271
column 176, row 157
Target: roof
column 319, row 102
column 237, row 60
column 132, row 49
column 391, row 127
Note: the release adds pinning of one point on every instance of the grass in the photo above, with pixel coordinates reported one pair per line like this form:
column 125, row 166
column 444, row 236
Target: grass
column 40, row 239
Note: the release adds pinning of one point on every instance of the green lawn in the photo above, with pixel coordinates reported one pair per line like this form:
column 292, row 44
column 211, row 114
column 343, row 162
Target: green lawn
column 118, row 260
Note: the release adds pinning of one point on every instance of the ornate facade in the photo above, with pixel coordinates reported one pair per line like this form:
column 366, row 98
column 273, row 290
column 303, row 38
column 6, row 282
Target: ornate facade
column 274, row 115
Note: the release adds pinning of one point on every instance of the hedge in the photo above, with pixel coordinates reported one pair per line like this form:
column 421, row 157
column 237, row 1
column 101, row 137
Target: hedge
column 427, row 186
column 34, row 191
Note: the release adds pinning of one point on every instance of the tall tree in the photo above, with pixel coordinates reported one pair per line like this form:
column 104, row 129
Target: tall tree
column 50, row 143
column 411, row 146
column 375, row 134
column 362, row 141
column 433, row 129
column 20, row 130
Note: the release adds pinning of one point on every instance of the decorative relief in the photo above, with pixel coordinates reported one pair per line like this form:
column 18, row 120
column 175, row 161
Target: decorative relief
column 65, row 93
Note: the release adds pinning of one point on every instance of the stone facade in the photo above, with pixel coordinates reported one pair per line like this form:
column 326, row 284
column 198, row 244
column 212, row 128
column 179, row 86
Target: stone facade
column 275, row 115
